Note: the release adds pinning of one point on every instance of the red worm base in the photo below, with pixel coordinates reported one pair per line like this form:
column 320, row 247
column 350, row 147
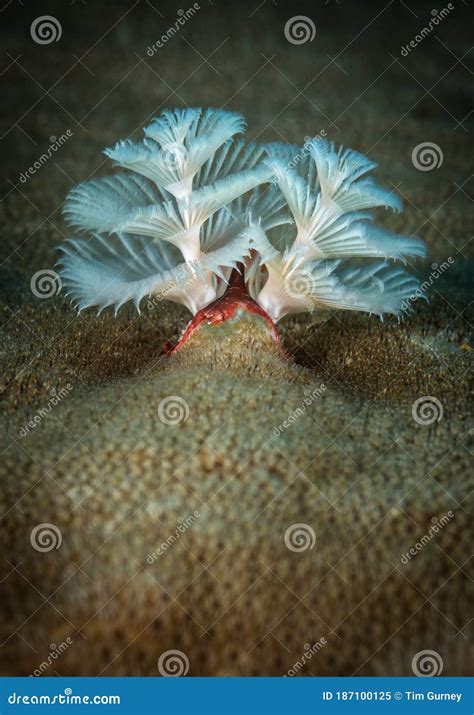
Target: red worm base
column 235, row 298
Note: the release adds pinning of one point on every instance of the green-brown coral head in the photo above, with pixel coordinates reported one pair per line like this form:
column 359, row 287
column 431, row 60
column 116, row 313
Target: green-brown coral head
column 230, row 307
column 242, row 328
column 243, row 345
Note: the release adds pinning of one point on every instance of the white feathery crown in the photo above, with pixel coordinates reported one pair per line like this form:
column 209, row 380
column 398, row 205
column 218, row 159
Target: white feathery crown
column 191, row 203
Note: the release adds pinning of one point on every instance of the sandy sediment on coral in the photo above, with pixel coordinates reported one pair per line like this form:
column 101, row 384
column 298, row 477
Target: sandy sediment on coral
column 264, row 444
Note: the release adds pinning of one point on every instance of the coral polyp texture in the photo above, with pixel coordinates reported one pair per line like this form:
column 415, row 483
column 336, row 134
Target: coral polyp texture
column 195, row 204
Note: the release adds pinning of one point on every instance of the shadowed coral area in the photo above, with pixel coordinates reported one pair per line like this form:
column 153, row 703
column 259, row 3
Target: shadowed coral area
column 230, row 427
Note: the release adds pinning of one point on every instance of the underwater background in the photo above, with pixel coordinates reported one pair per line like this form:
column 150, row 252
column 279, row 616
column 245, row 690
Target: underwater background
column 229, row 511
